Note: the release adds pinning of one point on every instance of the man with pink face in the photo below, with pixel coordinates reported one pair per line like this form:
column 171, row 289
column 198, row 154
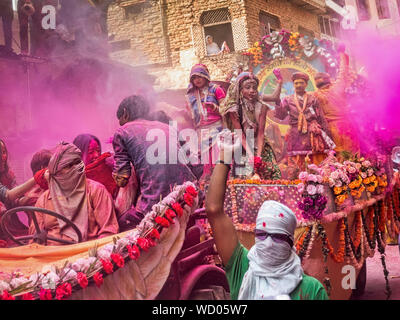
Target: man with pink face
column 309, row 134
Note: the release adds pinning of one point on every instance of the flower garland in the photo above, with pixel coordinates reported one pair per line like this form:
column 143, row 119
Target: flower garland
column 311, row 189
column 367, row 173
column 339, row 256
column 264, row 182
column 325, row 252
column 381, row 250
column 338, row 181
column 303, row 242
column 60, row 283
column 256, row 53
column 355, row 185
column 235, row 217
column 354, row 254
column 293, row 42
column 392, row 223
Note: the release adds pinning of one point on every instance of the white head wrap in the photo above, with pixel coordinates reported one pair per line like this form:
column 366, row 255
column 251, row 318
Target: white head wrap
column 274, row 267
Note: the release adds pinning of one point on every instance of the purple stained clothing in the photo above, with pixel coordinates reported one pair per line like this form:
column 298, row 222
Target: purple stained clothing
column 155, row 180
column 298, row 142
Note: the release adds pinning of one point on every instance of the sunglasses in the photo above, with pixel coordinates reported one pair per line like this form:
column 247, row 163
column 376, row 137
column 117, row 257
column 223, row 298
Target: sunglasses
column 262, row 235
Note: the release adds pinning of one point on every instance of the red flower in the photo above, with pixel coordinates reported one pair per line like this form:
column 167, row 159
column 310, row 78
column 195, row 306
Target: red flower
column 133, row 252
column 45, row 294
column 154, row 234
column 82, row 280
column 6, row 296
column 118, row 259
column 152, row 243
column 143, row 244
column 162, row 222
column 257, row 162
column 170, row 215
column 178, row 209
column 188, row 199
column 63, row 291
column 192, row 191
column 98, row 279
column 107, row 266
column 27, row 296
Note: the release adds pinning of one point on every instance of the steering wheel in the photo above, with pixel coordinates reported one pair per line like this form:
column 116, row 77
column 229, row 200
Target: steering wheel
column 40, row 236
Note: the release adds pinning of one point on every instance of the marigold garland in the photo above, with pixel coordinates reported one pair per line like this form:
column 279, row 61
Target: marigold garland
column 300, row 242
column 339, row 256
column 357, row 229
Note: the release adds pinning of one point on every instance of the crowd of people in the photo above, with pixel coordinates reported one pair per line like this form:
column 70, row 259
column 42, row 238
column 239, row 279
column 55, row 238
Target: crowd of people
column 106, row 193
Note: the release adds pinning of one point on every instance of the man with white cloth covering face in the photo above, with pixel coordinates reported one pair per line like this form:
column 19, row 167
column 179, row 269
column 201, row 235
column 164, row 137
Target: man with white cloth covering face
column 271, row 268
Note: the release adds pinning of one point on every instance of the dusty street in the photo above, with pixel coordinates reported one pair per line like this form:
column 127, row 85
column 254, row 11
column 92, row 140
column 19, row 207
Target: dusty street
column 375, row 287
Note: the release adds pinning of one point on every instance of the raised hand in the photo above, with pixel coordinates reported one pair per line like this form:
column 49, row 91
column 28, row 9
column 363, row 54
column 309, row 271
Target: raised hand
column 229, row 144
column 277, row 73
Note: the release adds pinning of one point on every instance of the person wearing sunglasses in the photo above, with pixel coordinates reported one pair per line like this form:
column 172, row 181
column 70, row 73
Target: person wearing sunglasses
column 271, row 268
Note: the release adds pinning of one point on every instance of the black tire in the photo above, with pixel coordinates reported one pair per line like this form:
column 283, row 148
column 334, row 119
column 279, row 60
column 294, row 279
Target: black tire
column 210, row 293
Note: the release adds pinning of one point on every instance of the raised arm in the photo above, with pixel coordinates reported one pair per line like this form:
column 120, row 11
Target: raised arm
column 275, row 96
column 17, row 192
column 224, row 231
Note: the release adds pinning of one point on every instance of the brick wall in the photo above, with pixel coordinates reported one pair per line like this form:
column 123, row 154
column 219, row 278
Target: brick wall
column 290, row 16
column 165, row 30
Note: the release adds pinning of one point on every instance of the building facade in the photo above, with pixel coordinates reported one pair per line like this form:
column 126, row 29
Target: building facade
column 168, row 36
column 383, row 15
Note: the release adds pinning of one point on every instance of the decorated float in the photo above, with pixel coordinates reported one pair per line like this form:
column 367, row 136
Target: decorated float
column 346, row 210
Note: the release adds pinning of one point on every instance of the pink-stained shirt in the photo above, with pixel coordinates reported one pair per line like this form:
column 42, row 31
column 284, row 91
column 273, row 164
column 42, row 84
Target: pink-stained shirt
column 213, row 114
column 102, row 217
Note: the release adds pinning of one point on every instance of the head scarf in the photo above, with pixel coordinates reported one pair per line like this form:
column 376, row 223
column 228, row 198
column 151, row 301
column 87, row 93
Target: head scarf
column 83, row 141
column 199, row 70
column 234, row 102
column 194, row 100
column 274, row 267
column 68, row 189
